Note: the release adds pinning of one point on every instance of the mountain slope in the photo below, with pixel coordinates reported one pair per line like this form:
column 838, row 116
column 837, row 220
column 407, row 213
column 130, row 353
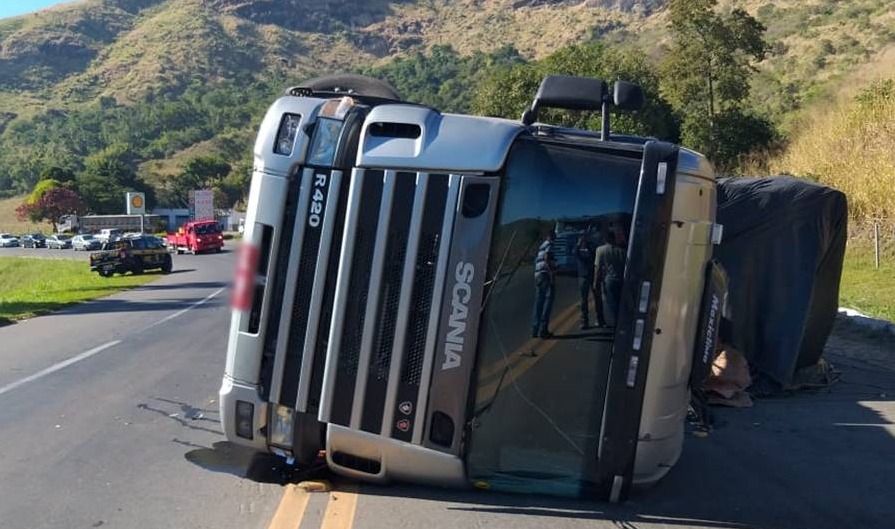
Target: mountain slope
column 83, row 57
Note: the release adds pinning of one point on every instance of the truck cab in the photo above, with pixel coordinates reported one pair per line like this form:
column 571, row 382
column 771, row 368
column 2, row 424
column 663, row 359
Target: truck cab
column 196, row 236
column 388, row 292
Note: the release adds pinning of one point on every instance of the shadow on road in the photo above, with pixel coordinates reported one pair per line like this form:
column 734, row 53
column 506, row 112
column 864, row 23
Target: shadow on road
column 106, row 305
column 181, row 286
column 819, row 459
column 228, row 458
column 189, row 417
column 156, row 286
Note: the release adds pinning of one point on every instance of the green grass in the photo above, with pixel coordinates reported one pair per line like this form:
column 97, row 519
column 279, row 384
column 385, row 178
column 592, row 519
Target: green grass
column 865, row 288
column 29, row 287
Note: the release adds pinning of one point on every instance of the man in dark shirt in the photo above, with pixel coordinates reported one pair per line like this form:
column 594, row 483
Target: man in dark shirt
column 545, row 271
column 584, row 258
column 609, row 266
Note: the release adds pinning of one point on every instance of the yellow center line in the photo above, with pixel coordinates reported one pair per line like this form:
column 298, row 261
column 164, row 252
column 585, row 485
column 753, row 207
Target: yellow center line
column 291, row 510
column 560, row 321
column 539, row 347
column 341, row 507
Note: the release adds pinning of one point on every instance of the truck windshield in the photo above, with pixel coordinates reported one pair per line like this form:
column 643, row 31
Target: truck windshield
column 543, row 361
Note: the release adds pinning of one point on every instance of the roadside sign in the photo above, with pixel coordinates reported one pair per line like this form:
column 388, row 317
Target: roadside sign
column 202, row 204
column 136, row 203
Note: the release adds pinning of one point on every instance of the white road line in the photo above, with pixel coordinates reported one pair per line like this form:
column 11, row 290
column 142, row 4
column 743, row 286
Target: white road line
column 184, row 311
column 56, row 367
column 96, row 350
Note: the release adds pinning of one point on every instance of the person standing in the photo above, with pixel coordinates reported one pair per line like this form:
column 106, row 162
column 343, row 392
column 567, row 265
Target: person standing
column 545, row 277
column 584, row 258
column 609, row 267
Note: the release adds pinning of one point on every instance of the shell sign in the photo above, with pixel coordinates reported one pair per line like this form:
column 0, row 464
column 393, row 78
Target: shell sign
column 136, row 203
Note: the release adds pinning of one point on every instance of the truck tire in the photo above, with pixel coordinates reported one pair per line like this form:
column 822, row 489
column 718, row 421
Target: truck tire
column 353, row 83
column 137, row 267
column 106, row 273
column 167, row 264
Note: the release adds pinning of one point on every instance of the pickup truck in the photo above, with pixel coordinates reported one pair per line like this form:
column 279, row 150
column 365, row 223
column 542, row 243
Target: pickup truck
column 196, row 236
column 131, row 254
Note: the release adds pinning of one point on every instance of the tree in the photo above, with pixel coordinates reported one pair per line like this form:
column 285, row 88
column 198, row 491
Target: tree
column 201, row 172
column 107, row 176
column 706, row 74
column 443, row 78
column 508, row 92
column 51, row 206
column 60, row 174
column 236, row 184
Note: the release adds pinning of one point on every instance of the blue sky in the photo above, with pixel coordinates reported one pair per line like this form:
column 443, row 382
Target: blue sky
column 10, row 8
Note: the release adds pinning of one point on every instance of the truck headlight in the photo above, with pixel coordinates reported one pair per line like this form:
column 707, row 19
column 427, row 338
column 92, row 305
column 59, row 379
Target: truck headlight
column 281, row 426
column 245, row 418
column 287, row 134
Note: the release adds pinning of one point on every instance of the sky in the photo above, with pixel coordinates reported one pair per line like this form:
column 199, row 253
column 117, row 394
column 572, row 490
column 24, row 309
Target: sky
column 10, row 8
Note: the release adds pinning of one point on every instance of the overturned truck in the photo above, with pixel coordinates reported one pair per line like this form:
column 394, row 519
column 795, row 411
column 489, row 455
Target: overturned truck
column 397, row 302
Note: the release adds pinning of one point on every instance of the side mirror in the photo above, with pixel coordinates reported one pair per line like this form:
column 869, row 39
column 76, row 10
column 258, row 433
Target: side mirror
column 567, row 92
column 628, row 96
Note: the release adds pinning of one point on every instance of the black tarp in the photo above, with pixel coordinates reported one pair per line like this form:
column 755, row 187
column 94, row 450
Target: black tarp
column 783, row 247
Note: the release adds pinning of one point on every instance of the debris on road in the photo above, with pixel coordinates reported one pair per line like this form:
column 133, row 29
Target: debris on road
column 315, row 486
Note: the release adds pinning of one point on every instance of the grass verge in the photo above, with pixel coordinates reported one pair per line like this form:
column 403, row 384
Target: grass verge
column 30, row 287
column 865, row 288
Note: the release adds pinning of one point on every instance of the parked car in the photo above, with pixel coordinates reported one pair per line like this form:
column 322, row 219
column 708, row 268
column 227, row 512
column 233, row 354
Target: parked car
column 85, row 242
column 8, row 240
column 33, row 240
column 109, row 234
column 60, row 241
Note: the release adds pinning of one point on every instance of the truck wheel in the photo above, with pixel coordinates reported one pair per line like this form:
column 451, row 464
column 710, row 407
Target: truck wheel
column 167, row 265
column 218, row 249
column 106, row 273
column 137, row 268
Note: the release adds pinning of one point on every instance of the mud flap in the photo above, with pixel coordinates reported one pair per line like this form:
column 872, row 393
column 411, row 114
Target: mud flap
column 309, row 438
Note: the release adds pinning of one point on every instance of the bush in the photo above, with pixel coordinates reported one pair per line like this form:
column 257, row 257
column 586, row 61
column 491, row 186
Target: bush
column 849, row 147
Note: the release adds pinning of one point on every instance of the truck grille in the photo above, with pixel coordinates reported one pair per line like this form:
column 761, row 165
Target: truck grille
column 360, row 265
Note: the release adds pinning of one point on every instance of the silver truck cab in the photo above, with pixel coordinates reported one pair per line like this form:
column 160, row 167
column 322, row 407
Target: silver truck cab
column 388, row 297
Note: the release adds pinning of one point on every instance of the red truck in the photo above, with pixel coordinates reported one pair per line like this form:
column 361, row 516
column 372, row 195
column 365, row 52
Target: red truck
column 196, row 236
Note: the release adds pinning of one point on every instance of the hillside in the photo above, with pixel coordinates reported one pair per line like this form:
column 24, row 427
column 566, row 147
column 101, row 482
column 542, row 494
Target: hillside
column 91, row 61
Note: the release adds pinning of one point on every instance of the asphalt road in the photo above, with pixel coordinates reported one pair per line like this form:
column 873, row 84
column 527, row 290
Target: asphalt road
column 108, row 418
column 103, row 441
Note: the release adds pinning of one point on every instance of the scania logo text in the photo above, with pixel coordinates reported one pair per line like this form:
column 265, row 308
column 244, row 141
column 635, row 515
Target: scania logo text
column 456, row 336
